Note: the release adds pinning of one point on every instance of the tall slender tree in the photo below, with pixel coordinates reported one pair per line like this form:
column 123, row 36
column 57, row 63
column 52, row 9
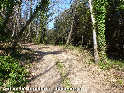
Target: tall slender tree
column 72, row 22
column 96, row 56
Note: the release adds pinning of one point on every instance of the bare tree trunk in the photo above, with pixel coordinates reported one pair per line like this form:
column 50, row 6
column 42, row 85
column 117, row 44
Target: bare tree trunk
column 71, row 30
column 82, row 40
column 96, row 56
column 70, row 33
column 30, row 25
column 41, row 7
column 16, row 28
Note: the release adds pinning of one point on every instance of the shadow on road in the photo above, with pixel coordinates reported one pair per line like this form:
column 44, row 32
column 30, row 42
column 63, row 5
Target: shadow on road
column 35, row 77
column 35, row 56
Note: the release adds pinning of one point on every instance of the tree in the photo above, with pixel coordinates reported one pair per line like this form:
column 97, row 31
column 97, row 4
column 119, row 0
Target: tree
column 96, row 56
column 72, row 23
column 6, row 33
column 82, row 26
column 114, row 29
column 100, row 12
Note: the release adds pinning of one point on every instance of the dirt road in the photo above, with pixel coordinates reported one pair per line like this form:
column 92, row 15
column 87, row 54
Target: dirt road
column 57, row 70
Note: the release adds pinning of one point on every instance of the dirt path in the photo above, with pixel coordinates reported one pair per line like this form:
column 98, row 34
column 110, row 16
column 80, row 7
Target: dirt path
column 56, row 67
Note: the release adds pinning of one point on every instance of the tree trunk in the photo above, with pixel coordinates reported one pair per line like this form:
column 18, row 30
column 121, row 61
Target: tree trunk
column 70, row 33
column 30, row 25
column 96, row 56
column 16, row 28
column 41, row 6
column 73, row 13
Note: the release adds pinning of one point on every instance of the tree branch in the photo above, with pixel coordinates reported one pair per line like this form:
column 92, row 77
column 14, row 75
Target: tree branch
column 42, row 7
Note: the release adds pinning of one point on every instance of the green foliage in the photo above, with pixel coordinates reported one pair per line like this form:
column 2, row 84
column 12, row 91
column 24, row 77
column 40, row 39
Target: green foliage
column 120, row 82
column 116, row 64
column 61, row 68
column 82, row 28
column 121, row 5
column 100, row 12
column 6, row 6
column 66, row 81
column 40, row 23
column 107, row 15
column 11, row 73
column 115, row 29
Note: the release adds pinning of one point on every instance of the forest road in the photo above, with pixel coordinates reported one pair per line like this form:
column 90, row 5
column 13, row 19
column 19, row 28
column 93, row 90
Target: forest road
column 60, row 70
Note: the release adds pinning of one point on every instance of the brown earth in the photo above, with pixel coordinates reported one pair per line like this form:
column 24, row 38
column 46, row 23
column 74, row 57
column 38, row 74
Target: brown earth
column 56, row 66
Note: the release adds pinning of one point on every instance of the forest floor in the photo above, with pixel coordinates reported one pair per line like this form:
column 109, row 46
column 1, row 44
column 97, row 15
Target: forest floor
column 58, row 67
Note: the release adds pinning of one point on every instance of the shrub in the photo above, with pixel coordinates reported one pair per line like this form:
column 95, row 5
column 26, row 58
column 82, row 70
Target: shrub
column 12, row 74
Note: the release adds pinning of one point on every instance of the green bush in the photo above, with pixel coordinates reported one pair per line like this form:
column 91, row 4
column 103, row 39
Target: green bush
column 12, row 74
column 115, row 64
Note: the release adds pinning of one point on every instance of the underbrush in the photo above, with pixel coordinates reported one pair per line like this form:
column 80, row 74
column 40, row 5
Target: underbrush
column 110, row 63
column 65, row 80
column 85, row 53
column 117, row 66
column 12, row 74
